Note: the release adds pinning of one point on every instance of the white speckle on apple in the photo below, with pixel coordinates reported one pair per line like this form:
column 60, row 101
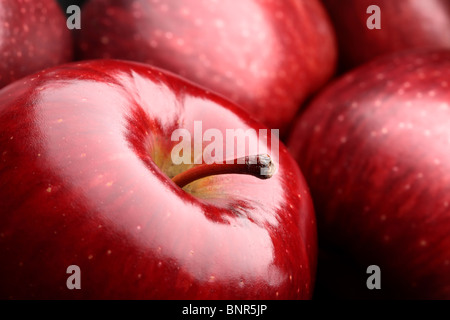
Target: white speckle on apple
column 427, row 133
column 386, row 238
column 406, row 84
column 407, row 186
column 104, row 40
column 158, row 33
column 90, row 257
column 153, row 43
column 49, row 189
column 279, row 15
column 444, row 84
column 212, row 278
column 185, row 11
column 198, row 22
column 138, row 228
column 164, row 8
column 384, row 130
column 383, row 217
column 420, row 175
column 245, row 33
column 180, row 42
column 219, row 23
column 418, row 61
column 343, row 140
column 108, row 252
column 423, row 243
column 109, row 184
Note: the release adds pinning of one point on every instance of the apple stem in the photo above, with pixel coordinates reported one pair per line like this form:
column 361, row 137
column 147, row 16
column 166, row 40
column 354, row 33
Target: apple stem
column 260, row 166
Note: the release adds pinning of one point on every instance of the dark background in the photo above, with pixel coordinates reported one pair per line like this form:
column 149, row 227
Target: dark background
column 65, row 3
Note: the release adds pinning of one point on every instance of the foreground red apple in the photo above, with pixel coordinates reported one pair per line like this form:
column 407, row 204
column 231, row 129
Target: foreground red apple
column 85, row 168
column 375, row 149
column 405, row 24
column 267, row 56
column 33, row 36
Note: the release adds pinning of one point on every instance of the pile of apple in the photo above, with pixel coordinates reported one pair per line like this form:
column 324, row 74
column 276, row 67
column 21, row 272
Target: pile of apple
column 93, row 207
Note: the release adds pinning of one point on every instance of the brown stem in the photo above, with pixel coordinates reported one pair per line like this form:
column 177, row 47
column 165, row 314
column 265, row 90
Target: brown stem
column 260, row 166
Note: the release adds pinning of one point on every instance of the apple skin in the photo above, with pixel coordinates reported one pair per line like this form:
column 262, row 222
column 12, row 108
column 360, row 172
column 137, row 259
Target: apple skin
column 375, row 150
column 266, row 56
column 405, row 24
column 80, row 185
column 33, row 36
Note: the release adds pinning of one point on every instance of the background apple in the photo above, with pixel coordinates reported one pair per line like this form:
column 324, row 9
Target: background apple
column 266, row 56
column 375, row 150
column 405, row 24
column 33, row 36
column 85, row 168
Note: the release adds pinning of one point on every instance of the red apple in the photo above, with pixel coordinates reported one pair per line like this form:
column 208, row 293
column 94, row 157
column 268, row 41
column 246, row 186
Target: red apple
column 33, row 36
column 405, row 24
column 375, row 150
column 266, row 56
column 85, row 180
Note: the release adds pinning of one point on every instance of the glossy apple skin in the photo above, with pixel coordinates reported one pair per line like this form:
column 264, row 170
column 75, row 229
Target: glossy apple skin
column 266, row 56
column 375, row 150
column 79, row 186
column 405, row 24
column 33, row 36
